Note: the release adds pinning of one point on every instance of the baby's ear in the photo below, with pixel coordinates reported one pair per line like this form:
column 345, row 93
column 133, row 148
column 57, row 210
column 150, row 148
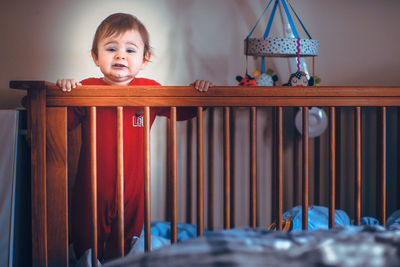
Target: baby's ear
column 95, row 59
column 147, row 57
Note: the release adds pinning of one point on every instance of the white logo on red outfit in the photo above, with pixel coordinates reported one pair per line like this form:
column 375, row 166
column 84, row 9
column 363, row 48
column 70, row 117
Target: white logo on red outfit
column 137, row 119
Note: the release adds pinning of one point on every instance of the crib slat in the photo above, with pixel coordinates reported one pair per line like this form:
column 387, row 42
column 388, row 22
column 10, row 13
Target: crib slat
column 173, row 176
column 200, row 183
column 332, row 168
column 227, row 169
column 120, row 180
column 280, row 166
column 147, row 196
column 296, row 165
column 398, row 158
column 317, row 170
column 358, row 165
column 232, row 183
column 168, row 198
column 37, row 108
column 338, row 153
column 210, row 184
column 382, row 176
column 93, row 180
column 253, row 167
column 305, row 170
column 189, row 169
column 57, row 186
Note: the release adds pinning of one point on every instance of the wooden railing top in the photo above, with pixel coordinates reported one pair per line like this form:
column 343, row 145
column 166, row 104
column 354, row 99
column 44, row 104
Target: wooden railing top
column 95, row 95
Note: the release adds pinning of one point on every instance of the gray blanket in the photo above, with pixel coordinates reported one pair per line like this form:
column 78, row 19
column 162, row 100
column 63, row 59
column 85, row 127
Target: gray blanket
column 350, row 246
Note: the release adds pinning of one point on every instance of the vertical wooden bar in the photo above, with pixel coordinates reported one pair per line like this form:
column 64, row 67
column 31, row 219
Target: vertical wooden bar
column 189, row 169
column 280, row 167
column 173, row 176
column 37, row 113
column 382, row 168
column 332, row 158
column 274, row 156
column 358, row 165
column 200, row 183
column 296, row 167
column 305, row 170
column 227, row 168
column 253, row 167
column 120, row 180
column 57, row 186
column 168, row 182
column 232, row 167
column 398, row 158
column 317, row 170
column 93, row 179
column 210, row 184
column 338, row 152
column 147, row 196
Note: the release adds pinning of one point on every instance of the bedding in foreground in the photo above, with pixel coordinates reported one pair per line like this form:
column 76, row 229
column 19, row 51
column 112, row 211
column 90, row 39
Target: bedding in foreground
column 343, row 246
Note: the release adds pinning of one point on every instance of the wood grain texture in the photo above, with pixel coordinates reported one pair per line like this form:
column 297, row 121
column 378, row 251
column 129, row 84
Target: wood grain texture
column 332, row 166
column 305, row 170
column 120, row 181
column 357, row 149
column 37, row 117
column 227, row 169
column 200, row 173
column 93, row 180
column 57, row 186
column 147, row 195
column 174, row 185
column 253, row 167
column 279, row 167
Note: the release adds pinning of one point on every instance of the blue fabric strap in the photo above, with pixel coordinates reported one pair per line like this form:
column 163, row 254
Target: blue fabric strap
column 302, row 25
column 290, row 19
column 271, row 18
column 262, row 64
column 252, row 30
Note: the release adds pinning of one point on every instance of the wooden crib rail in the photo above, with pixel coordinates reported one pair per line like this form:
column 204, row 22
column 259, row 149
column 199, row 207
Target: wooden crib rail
column 48, row 126
column 90, row 95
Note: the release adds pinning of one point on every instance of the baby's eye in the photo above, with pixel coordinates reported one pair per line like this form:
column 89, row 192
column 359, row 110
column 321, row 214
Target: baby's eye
column 130, row 51
column 111, row 49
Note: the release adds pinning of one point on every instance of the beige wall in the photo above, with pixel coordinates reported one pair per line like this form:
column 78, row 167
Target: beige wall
column 200, row 39
column 193, row 39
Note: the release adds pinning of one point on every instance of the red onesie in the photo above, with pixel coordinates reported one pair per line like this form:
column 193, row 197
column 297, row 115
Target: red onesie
column 106, row 173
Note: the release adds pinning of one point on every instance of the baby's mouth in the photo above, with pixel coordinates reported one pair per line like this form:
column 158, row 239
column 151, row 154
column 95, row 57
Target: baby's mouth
column 119, row 65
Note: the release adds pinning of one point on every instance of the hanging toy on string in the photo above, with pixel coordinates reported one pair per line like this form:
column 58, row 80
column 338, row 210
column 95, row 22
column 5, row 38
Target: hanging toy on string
column 247, row 80
column 265, row 79
column 299, row 78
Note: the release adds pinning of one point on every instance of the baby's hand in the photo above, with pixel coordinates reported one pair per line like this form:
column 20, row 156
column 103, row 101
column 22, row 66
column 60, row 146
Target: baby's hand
column 66, row 85
column 202, row 85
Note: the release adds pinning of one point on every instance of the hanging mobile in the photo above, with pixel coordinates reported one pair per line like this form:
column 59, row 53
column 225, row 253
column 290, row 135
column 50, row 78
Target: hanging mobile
column 289, row 47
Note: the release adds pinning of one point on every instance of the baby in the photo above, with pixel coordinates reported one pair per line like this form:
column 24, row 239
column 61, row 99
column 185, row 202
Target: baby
column 121, row 50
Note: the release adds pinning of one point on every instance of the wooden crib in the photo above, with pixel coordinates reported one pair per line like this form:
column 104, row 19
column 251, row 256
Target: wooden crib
column 48, row 140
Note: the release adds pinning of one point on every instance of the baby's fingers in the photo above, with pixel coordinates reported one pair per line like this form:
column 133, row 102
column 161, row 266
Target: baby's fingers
column 66, row 85
column 203, row 85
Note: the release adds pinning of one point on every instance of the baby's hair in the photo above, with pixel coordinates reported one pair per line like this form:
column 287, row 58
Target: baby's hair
column 119, row 23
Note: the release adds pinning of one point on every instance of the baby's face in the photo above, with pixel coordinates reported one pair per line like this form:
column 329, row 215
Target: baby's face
column 120, row 57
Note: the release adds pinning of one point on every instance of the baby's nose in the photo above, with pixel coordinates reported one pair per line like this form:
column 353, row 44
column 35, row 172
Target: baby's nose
column 120, row 55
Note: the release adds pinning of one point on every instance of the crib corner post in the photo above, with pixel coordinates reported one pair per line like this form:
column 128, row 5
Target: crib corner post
column 37, row 136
